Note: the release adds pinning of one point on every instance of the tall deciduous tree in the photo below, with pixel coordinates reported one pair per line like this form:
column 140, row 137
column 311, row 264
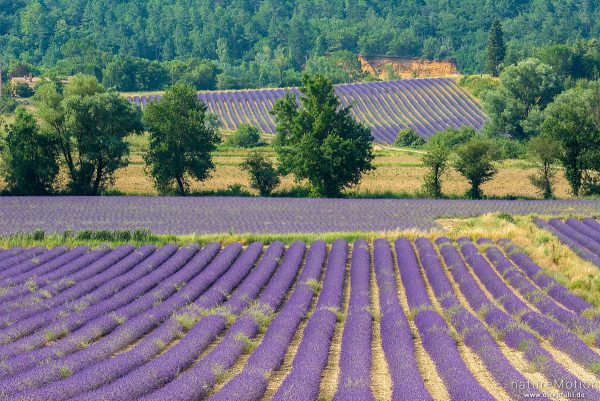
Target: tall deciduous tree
column 496, row 49
column 319, row 140
column 181, row 139
column 524, row 92
column 29, row 158
column 571, row 120
column 91, row 126
column 544, row 151
column 436, row 159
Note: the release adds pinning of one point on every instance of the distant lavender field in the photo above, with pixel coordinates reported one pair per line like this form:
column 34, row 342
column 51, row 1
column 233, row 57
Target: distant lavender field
column 426, row 105
column 177, row 215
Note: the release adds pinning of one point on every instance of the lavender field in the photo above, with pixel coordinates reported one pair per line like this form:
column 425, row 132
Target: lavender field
column 582, row 236
column 422, row 320
column 425, row 105
column 177, row 215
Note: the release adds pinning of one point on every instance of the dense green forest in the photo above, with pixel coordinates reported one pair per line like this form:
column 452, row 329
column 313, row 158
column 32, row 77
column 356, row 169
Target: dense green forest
column 252, row 43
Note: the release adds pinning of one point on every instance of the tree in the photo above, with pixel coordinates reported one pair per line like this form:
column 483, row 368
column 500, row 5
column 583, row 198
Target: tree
column 524, row 92
column 544, row 152
column 436, row 160
column 263, row 175
column 475, row 161
column 29, row 158
column 181, row 141
column 319, row 140
column 408, row 138
column 339, row 67
column 91, row 126
column 570, row 120
column 496, row 49
column 246, row 136
column 135, row 74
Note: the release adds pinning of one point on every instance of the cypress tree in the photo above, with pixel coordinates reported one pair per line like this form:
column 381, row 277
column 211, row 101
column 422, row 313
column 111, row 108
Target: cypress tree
column 496, row 49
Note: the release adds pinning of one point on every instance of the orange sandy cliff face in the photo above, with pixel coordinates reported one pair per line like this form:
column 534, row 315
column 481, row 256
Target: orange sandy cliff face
column 407, row 67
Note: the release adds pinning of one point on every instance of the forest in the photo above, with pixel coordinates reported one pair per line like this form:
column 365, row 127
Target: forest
column 229, row 44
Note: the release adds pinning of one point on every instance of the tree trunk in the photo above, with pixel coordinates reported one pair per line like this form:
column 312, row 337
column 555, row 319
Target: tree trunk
column 180, row 185
column 98, row 178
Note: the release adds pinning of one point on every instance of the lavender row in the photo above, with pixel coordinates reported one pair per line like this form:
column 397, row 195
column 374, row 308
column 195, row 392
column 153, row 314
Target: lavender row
column 84, row 294
column 21, row 263
column 79, row 271
column 197, row 382
column 536, row 296
column 82, row 364
column 510, row 331
column 575, row 245
column 558, row 335
column 159, row 371
column 473, row 332
column 544, row 281
column 251, row 383
column 303, row 381
column 29, row 267
column 100, row 318
column 37, row 330
column 434, row 332
column 396, row 337
column 46, row 273
column 577, row 235
column 354, row 381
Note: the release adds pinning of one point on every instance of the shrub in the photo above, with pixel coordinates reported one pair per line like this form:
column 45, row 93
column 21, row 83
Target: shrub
column 408, row 138
column 246, row 136
column 263, row 175
column 479, row 85
column 7, row 105
column 453, row 137
column 23, row 90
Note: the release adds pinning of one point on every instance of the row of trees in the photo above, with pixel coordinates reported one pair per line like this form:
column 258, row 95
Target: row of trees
column 85, row 128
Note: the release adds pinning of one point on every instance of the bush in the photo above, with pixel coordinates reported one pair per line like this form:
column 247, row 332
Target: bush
column 246, row 136
column 453, row 137
column 408, row 138
column 23, row 90
column 7, row 105
column 508, row 147
column 479, row 85
column 263, row 175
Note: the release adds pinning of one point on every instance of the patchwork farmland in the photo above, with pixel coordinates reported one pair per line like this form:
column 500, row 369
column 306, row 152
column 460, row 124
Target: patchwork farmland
column 421, row 320
column 426, row 105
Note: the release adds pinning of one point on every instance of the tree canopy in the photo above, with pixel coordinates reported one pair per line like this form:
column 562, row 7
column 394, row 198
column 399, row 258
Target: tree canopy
column 181, row 139
column 90, row 126
column 267, row 42
column 319, row 140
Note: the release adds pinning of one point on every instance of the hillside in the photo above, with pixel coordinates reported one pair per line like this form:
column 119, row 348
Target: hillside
column 272, row 39
column 425, row 105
